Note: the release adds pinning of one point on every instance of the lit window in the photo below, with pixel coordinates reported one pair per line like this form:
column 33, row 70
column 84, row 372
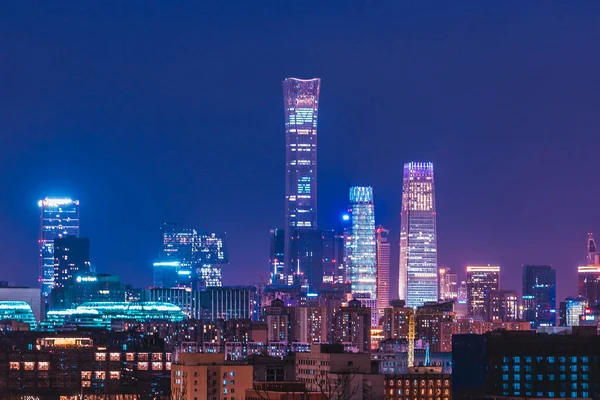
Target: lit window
column 115, row 374
column 100, row 375
column 86, row 383
column 157, row 365
column 100, row 356
column 142, row 356
column 43, row 365
column 86, row 375
column 156, row 356
column 142, row 366
column 168, row 366
column 115, row 356
column 130, row 356
column 28, row 366
column 15, row 365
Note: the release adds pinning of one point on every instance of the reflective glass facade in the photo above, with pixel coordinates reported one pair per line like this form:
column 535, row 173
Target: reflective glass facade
column 58, row 218
column 383, row 269
column 301, row 105
column 418, row 278
column 18, row 311
column 362, row 260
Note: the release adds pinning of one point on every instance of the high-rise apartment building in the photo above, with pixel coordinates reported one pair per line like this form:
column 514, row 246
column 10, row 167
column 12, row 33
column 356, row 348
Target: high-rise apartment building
column 58, row 218
column 383, row 269
column 362, row 261
column 572, row 308
column 483, row 286
column 417, row 281
column 539, row 295
column 509, row 306
column 301, row 106
column 448, row 284
column 71, row 258
column 352, row 325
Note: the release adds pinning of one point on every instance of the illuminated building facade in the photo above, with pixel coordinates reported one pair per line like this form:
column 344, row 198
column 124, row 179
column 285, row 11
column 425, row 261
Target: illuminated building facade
column 362, row 257
column 383, row 269
column 574, row 307
column 58, row 218
column 588, row 283
column 47, row 366
column 31, row 296
column 483, row 285
column 352, row 325
column 229, row 302
column 276, row 256
column 334, row 257
column 87, row 288
column 509, row 306
column 189, row 259
column 185, row 298
column 418, row 273
column 448, row 284
column 539, row 295
column 71, row 258
column 17, row 311
column 419, row 383
column 301, row 106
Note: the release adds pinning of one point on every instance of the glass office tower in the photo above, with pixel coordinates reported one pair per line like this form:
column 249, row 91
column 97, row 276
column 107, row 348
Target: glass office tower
column 362, row 260
column 59, row 217
column 418, row 280
column 301, row 104
column 383, row 269
column 539, row 295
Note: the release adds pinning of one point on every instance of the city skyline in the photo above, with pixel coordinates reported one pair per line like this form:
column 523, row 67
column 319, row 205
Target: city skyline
column 151, row 128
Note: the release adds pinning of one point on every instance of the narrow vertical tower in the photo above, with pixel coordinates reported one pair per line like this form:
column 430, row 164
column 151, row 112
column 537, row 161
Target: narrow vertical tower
column 362, row 251
column 417, row 282
column 383, row 269
column 301, row 104
column 58, row 218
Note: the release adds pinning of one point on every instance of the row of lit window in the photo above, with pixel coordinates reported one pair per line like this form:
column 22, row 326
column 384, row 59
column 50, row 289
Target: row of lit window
column 417, row 382
column 87, row 375
column 422, row 392
column 561, row 368
column 550, row 360
column 551, row 394
column 131, row 356
column 517, row 386
column 30, row 365
column 562, row 377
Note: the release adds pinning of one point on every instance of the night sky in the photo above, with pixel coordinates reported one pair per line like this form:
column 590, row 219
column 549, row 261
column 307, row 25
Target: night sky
column 151, row 112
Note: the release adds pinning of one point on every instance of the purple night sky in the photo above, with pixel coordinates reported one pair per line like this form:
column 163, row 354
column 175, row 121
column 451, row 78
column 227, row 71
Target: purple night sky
column 153, row 112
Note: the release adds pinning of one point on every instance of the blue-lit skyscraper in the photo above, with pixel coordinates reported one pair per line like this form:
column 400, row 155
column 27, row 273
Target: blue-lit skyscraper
column 59, row 217
column 539, row 295
column 418, row 281
column 301, row 105
column 362, row 256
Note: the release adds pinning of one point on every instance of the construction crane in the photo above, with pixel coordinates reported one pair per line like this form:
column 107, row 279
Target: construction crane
column 411, row 338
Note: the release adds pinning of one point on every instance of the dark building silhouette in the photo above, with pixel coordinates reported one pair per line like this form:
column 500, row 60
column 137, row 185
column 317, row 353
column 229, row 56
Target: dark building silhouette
column 71, row 258
column 539, row 295
column 526, row 364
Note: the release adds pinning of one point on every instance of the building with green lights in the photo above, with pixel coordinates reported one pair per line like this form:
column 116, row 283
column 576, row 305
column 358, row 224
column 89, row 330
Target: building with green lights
column 103, row 314
column 17, row 311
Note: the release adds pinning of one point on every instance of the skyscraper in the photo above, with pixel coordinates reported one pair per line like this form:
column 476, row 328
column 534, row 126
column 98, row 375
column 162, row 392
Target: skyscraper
column 417, row 281
column 448, row 284
column 58, row 218
column 276, row 256
column 306, row 256
column 362, row 260
column 539, row 295
column 588, row 276
column 188, row 258
column 71, row 258
column 383, row 269
column 301, row 105
column 483, row 285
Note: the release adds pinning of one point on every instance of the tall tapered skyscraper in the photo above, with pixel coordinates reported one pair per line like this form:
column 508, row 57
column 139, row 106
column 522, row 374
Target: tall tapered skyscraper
column 58, row 218
column 362, row 257
column 418, row 281
column 301, row 105
column 383, row 269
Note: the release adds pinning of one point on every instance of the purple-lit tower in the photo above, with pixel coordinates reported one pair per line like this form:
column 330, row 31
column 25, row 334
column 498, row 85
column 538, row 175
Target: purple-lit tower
column 301, row 104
